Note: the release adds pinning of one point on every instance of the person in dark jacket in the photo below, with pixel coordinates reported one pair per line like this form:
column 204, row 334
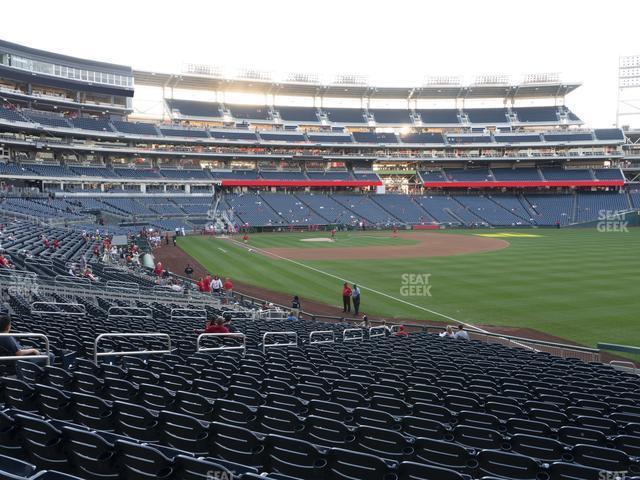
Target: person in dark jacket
column 188, row 271
column 295, row 306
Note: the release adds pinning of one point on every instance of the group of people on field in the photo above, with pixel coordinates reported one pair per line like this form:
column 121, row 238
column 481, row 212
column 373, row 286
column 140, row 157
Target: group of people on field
column 350, row 295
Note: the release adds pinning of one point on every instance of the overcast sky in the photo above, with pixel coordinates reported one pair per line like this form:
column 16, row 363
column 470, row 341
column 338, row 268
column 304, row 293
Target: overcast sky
column 389, row 42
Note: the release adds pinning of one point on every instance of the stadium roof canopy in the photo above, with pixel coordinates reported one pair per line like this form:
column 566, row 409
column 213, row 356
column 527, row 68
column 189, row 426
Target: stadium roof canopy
column 191, row 81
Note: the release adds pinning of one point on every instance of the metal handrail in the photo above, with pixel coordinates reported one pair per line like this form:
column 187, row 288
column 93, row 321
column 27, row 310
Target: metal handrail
column 79, row 281
column 15, row 358
column 97, row 354
column 289, row 344
column 394, row 329
column 116, row 285
column 350, row 339
column 623, row 364
column 202, row 311
column 38, row 261
column 126, row 309
column 373, row 331
column 273, row 314
column 322, row 332
column 5, row 272
column 217, row 349
column 83, row 309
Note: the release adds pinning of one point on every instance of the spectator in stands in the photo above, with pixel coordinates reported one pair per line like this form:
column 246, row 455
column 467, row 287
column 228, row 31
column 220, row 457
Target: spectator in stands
column 227, row 322
column 365, row 322
column 5, row 263
column 355, row 297
column 295, row 306
column 10, row 347
column 207, row 283
column 56, row 244
column 72, row 270
column 448, row 332
column 200, row 284
column 228, row 290
column 216, row 285
column 188, row 271
column 158, row 269
column 291, row 316
column 88, row 273
column 461, row 334
column 175, row 285
column 402, row 332
column 346, row 298
column 216, row 326
column 387, row 329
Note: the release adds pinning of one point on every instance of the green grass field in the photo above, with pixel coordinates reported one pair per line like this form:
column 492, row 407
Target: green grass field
column 577, row 284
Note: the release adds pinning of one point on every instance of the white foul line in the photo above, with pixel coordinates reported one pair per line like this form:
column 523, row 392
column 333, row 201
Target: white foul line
column 266, row 252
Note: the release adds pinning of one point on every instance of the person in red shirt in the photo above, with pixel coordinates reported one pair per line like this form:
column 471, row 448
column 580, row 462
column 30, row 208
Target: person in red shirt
column 346, row 298
column 227, row 286
column 158, row 269
column 207, row 283
column 216, row 326
column 200, row 285
column 402, row 332
column 4, row 262
column 245, row 238
column 56, row 243
column 46, row 243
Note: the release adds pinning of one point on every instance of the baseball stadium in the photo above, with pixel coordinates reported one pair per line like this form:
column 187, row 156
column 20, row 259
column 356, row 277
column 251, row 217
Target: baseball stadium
column 215, row 274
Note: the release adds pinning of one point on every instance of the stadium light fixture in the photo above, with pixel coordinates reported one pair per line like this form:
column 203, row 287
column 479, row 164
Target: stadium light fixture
column 628, row 87
column 541, row 78
column 492, row 79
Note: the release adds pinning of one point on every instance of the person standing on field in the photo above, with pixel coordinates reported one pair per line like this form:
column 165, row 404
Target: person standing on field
column 295, row 306
column 355, row 297
column 346, row 298
column 188, row 270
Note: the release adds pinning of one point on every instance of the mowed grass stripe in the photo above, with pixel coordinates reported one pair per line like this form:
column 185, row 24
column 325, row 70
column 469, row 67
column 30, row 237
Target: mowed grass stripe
column 578, row 284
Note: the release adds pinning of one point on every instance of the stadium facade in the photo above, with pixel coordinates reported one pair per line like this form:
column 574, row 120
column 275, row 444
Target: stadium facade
column 69, row 141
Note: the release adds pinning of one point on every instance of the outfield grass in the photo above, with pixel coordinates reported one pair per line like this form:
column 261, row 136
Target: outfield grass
column 577, row 284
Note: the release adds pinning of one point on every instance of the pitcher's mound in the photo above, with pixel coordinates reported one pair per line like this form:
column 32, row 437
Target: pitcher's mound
column 317, row 239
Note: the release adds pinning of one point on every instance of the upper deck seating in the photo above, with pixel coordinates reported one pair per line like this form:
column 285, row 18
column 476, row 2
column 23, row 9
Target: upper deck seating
column 194, row 108
column 391, row 115
column 298, row 114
